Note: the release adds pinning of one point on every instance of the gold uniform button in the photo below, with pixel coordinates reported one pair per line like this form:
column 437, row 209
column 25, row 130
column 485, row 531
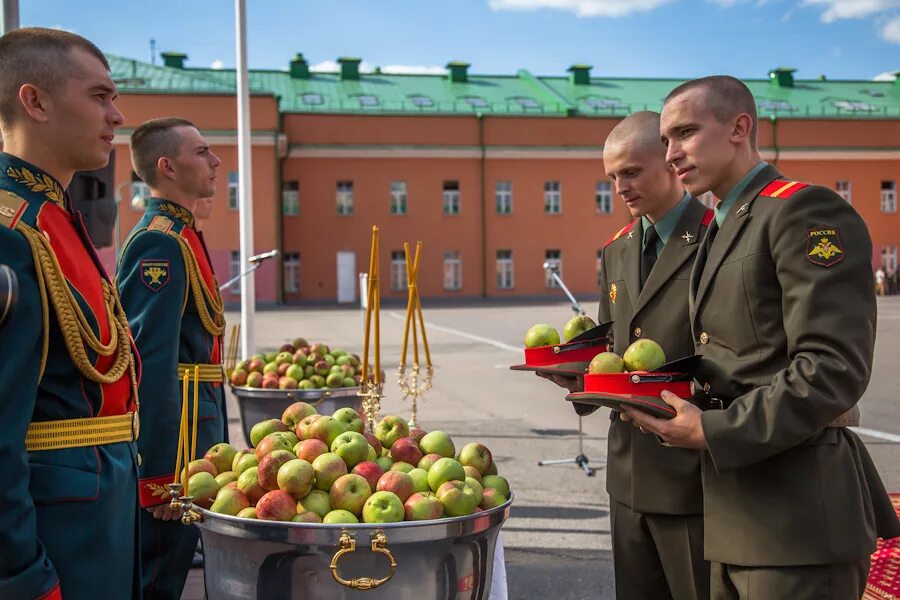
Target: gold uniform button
column 638, row 332
column 704, row 338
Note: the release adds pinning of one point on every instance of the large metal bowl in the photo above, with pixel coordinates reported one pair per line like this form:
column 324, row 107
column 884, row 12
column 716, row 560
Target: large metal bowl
column 444, row 559
column 257, row 404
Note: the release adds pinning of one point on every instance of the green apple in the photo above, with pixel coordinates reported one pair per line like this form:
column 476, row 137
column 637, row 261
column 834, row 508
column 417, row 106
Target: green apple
column 264, row 428
column 296, row 477
column 350, row 418
column 420, row 480
column 297, row 411
column 326, row 428
column 476, row 455
column 497, row 483
column 383, row 507
column 340, row 516
column 221, row 456
column 644, row 355
column 247, row 513
column 437, row 442
column 225, row 478
column 385, row 462
column 402, row 467
column 203, row 487
column 352, row 447
column 423, row 506
column 390, row 429
column 457, row 500
column 541, row 335
column 576, row 326
column 474, row 489
column 492, row 499
column 606, row 362
column 315, row 501
column 444, row 470
column 328, row 467
column 244, row 462
column 229, row 502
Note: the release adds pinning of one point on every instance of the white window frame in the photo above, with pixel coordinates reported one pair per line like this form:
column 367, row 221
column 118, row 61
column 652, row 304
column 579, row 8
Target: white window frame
column 292, row 273
column 503, row 197
column 234, row 268
column 344, row 197
column 603, row 197
column 506, row 278
column 234, row 190
column 844, row 189
column 888, row 258
column 399, row 204
column 554, row 259
column 552, row 197
column 290, row 198
column 398, row 271
column 453, row 270
column 451, row 199
column 889, row 197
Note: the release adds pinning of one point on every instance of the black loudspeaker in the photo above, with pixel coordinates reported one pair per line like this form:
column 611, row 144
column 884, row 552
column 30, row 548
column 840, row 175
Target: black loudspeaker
column 93, row 194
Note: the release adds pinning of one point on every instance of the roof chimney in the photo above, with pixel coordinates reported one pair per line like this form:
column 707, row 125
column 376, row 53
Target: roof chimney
column 782, row 77
column 580, row 74
column 174, row 59
column 299, row 67
column 349, row 68
column 459, row 71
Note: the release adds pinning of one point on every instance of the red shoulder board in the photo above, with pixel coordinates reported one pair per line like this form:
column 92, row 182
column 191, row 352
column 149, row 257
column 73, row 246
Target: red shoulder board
column 620, row 233
column 708, row 216
column 782, row 188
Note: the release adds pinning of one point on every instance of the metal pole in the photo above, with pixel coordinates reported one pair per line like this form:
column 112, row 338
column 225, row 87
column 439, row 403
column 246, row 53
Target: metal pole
column 10, row 15
column 245, row 198
column 552, row 271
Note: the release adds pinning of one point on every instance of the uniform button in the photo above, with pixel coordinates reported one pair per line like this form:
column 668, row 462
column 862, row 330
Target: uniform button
column 704, row 338
column 139, row 459
column 638, row 332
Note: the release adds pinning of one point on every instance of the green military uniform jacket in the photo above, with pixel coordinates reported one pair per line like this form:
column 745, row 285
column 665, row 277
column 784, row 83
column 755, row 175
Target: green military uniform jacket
column 643, row 474
column 783, row 313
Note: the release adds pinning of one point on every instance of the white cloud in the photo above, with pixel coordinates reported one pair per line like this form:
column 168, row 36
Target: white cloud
column 890, row 31
column 331, row 66
column 217, row 64
column 851, row 9
column 886, row 76
column 581, row 8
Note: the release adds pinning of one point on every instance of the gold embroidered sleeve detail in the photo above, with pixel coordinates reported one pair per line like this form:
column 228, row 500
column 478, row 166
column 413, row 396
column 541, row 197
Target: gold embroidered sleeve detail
column 159, row 491
column 40, row 183
column 177, row 211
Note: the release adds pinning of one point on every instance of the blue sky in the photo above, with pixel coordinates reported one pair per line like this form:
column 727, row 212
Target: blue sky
column 843, row 39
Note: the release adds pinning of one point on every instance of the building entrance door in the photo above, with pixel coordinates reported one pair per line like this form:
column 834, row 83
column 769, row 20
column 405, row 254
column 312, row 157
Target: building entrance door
column 346, row 277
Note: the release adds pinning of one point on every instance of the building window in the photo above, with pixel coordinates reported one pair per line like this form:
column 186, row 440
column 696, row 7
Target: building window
column 503, row 197
column 525, row 102
column 889, row 196
column 604, row 197
column 312, row 99
column 367, row 100
column 235, row 270
column 345, row 197
column 599, row 266
column 889, row 258
column 505, row 280
column 475, row 101
column 451, row 197
column 452, row 270
column 398, row 197
column 398, row 270
column 421, row 100
column 140, row 193
column 233, row 200
column 843, row 190
column 290, row 198
column 553, row 262
column 292, row 272
column 552, row 198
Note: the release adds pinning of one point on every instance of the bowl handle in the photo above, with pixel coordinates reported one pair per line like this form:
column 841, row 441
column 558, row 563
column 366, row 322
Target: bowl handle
column 347, row 545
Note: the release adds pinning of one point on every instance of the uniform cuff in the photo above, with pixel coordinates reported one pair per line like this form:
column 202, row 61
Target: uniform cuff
column 154, row 490
column 53, row 594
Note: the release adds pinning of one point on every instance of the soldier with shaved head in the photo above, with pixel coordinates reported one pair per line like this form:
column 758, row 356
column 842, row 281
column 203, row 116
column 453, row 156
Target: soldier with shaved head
column 782, row 310
column 656, row 508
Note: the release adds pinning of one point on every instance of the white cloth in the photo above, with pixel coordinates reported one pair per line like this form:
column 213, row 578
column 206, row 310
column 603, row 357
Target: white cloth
column 498, row 581
column 879, row 276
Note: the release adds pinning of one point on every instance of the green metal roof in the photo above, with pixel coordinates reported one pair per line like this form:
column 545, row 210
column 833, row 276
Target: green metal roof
column 519, row 94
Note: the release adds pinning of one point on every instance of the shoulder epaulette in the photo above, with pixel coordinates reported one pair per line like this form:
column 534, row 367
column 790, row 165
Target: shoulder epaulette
column 782, row 188
column 620, row 233
column 161, row 224
column 708, row 216
column 12, row 208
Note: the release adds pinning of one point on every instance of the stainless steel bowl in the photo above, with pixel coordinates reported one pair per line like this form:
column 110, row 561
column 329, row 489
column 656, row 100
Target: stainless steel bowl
column 257, row 404
column 444, row 559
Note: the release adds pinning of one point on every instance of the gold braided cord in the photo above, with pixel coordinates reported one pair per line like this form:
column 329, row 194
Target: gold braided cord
column 73, row 323
column 206, row 300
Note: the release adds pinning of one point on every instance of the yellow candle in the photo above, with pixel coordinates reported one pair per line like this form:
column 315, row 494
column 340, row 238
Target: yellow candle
column 409, row 304
column 369, row 302
column 196, row 410
column 184, row 394
column 184, row 432
column 377, row 310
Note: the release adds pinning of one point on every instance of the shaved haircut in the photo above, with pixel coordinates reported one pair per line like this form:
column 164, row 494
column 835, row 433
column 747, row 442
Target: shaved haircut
column 153, row 140
column 725, row 96
column 639, row 130
column 40, row 57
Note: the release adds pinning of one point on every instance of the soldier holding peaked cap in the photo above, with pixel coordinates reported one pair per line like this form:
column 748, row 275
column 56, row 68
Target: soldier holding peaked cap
column 656, row 507
column 68, row 460
column 783, row 313
column 170, row 292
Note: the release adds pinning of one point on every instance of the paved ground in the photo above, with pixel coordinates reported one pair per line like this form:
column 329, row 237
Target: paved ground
column 557, row 538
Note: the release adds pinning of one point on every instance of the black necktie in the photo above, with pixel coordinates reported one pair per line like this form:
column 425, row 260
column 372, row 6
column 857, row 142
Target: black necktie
column 703, row 254
column 648, row 256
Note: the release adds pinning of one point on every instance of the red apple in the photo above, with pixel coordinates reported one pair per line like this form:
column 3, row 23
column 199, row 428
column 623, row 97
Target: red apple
column 276, row 505
column 326, row 429
column 373, row 441
column 239, row 377
column 272, row 442
column 370, row 471
column 248, row 482
column 476, row 455
column 350, row 493
column 296, row 477
column 269, row 466
column 397, row 482
column 302, row 428
column 423, row 506
column 417, row 433
column 428, row 461
column 406, row 450
column 328, row 467
column 310, row 449
column 457, row 502
column 295, row 413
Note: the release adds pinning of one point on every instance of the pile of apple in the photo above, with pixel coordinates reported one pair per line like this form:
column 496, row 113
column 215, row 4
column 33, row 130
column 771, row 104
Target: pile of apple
column 299, row 365
column 547, row 335
column 315, row 468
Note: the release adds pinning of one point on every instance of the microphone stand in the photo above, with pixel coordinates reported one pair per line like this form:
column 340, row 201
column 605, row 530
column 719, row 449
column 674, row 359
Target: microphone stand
column 256, row 262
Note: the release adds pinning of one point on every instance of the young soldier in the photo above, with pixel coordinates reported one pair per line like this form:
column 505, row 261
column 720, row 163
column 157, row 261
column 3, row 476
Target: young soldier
column 783, row 312
column 170, row 293
column 655, row 495
column 68, row 461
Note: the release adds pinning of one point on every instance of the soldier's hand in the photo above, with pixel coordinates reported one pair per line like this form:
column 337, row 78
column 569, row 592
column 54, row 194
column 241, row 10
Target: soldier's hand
column 165, row 512
column 684, row 430
column 573, row 384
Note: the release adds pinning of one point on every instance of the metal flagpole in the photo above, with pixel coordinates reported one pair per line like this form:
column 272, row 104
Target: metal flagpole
column 245, row 197
column 10, row 15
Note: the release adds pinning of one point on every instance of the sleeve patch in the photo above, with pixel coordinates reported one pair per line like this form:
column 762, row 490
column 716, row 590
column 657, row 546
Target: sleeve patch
column 155, row 273
column 823, row 246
